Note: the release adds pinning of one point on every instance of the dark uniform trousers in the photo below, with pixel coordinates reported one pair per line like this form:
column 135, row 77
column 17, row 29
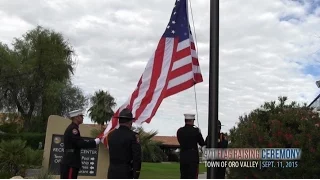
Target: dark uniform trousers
column 189, row 171
column 124, row 154
column 189, row 137
column 189, row 168
column 120, row 171
column 67, row 172
column 222, row 143
column 73, row 143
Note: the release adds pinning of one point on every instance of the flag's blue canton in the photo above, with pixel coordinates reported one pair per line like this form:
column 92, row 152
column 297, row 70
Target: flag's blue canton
column 178, row 25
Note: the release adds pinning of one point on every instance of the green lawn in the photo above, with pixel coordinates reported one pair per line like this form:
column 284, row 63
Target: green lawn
column 163, row 170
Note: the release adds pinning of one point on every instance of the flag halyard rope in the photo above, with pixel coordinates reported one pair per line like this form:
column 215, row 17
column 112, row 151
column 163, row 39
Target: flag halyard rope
column 196, row 44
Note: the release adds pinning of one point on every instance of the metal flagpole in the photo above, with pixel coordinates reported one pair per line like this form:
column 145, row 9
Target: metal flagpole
column 213, row 82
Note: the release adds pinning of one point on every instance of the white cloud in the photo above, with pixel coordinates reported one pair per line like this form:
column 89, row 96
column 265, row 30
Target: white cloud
column 264, row 46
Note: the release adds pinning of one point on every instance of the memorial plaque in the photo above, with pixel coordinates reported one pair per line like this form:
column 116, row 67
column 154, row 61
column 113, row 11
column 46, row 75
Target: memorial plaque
column 89, row 157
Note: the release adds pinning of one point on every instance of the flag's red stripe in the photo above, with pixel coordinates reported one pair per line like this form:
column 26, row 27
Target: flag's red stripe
column 181, row 71
column 180, row 87
column 135, row 94
column 164, row 90
column 195, row 61
column 114, row 120
column 181, row 54
column 156, row 71
column 193, row 46
column 198, row 77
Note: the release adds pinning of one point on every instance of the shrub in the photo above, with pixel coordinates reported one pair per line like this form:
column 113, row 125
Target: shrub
column 12, row 155
column 151, row 151
column 10, row 127
column 16, row 157
column 173, row 156
column 33, row 158
column 32, row 139
column 5, row 174
column 45, row 175
column 279, row 126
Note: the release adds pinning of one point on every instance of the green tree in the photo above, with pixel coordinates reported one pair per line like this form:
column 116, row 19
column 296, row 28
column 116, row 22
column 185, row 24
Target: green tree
column 101, row 109
column 279, row 125
column 35, row 76
column 63, row 97
column 151, row 151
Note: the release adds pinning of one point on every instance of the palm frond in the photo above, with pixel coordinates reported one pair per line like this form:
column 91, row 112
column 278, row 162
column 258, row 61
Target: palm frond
column 151, row 150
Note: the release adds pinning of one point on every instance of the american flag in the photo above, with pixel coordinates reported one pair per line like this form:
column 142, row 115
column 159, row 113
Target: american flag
column 173, row 67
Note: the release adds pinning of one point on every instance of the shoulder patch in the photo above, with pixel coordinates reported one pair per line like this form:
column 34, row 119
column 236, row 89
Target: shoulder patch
column 74, row 131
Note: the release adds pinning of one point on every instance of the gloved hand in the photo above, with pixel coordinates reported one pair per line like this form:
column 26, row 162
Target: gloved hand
column 203, row 148
column 100, row 136
column 97, row 140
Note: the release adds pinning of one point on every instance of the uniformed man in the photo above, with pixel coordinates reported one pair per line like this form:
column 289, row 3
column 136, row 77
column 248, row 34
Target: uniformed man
column 222, row 143
column 124, row 149
column 189, row 137
column 73, row 143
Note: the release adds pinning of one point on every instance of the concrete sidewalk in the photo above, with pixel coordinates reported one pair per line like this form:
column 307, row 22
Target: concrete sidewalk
column 202, row 176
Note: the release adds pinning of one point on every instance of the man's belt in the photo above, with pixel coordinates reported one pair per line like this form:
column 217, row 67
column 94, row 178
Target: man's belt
column 69, row 150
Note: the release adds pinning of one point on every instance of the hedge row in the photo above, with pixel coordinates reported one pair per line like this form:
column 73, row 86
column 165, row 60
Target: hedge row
column 32, row 139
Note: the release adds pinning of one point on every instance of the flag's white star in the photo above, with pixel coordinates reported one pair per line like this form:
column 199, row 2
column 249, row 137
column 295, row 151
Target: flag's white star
column 172, row 31
column 173, row 22
column 168, row 27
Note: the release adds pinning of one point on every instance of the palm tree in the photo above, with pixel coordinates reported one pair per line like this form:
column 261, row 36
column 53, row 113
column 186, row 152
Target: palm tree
column 101, row 109
column 151, row 151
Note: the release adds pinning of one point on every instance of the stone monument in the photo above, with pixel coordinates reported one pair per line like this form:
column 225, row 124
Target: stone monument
column 95, row 162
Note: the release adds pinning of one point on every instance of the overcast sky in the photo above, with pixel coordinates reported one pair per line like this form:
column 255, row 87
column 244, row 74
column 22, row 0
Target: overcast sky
column 267, row 49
